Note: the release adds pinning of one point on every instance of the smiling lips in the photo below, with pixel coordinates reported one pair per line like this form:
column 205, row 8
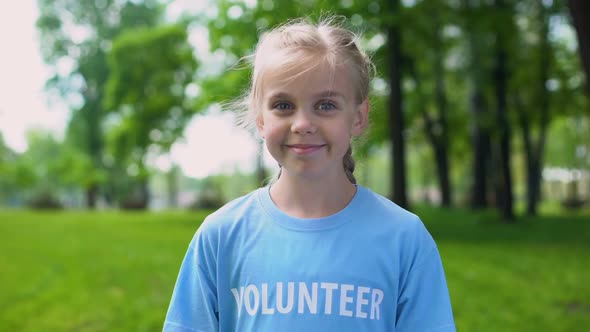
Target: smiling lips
column 304, row 149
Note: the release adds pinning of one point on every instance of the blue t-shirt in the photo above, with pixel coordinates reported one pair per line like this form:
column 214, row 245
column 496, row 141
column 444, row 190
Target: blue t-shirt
column 371, row 267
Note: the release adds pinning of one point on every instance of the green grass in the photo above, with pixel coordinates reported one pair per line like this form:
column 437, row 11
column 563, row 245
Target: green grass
column 89, row 271
column 110, row 271
column 529, row 276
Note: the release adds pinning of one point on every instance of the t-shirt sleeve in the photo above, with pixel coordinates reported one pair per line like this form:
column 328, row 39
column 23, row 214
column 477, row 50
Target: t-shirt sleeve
column 424, row 304
column 194, row 305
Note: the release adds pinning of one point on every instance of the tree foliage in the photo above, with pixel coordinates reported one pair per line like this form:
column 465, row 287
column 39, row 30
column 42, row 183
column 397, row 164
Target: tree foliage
column 78, row 38
column 151, row 69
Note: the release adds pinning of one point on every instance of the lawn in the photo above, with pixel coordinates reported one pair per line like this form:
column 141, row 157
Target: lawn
column 532, row 276
column 114, row 271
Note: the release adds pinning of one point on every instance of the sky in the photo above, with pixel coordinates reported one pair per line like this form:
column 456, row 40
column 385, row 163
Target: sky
column 211, row 144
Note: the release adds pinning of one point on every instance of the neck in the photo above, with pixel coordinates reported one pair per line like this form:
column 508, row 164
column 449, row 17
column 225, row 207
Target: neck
column 309, row 198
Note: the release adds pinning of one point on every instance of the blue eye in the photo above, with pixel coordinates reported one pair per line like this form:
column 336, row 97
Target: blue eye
column 282, row 106
column 326, row 106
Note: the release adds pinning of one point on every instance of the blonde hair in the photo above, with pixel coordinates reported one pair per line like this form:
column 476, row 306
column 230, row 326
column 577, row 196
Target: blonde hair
column 298, row 46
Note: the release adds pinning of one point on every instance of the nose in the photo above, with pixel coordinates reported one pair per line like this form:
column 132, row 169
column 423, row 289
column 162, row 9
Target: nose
column 303, row 123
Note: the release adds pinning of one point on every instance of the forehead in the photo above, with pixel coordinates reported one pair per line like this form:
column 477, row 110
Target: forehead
column 320, row 80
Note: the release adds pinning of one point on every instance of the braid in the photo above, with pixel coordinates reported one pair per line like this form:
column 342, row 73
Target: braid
column 348, row 163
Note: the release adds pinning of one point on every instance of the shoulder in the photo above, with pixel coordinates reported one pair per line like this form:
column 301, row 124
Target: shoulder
column 388, row 213
column 385, row 204
column 234, row 209
column 230, row 215
column 402, row 227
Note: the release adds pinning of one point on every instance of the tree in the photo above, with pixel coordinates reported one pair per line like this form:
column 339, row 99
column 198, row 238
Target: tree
column 475, row 25
column 396, row 113
column 501, row 153
column 536, row 117
column 79, row 34
column 431, row 47
column 579, row 10
column 151, row 69
column 46, row 169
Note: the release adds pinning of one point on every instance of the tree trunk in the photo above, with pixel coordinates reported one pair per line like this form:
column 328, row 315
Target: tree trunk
column 531, row 162
column 442, row 168
column 91, row 196
column 580, row 12
column 396, row 118
column 437, row 139
column 94, row 138
column 537, row 161
column 481, row 154
column 533, row 187
column 480, row 133
column 539, row 152
column 504, row 197
column 442, row 144
column 534, row 150
column 145, row 195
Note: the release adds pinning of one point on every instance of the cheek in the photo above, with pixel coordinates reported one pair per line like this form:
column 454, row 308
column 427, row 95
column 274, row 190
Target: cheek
column 272, row 131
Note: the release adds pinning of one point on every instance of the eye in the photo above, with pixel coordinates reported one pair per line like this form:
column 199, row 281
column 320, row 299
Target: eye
column 326, row 106
column 282, row 106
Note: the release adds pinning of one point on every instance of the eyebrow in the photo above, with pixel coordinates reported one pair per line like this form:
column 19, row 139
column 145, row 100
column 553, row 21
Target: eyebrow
column 279, row 95
column 329, row 93
column 323, row 94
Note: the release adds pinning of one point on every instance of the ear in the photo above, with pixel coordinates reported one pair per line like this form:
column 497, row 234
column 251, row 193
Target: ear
column 361, row 118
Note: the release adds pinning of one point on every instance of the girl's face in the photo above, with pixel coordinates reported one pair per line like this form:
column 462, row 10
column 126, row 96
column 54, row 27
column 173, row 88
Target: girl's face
column 307, row 122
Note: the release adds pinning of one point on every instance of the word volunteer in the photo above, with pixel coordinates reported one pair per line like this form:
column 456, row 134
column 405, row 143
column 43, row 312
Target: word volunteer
column 350, row 300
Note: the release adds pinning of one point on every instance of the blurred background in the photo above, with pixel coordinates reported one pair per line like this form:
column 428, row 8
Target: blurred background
column 115, row 144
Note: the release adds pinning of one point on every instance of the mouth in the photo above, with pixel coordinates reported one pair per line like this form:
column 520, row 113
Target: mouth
column 303, row 149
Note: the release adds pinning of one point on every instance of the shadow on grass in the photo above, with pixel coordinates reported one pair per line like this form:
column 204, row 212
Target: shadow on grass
column 466, row 226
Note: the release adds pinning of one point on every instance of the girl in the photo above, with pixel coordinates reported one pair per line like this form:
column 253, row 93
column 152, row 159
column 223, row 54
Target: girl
column 314, row 251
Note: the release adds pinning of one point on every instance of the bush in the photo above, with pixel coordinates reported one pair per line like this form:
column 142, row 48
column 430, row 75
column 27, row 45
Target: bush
column 45, row 201
column 134, row 204
column 210, row 201
column 572, row 203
